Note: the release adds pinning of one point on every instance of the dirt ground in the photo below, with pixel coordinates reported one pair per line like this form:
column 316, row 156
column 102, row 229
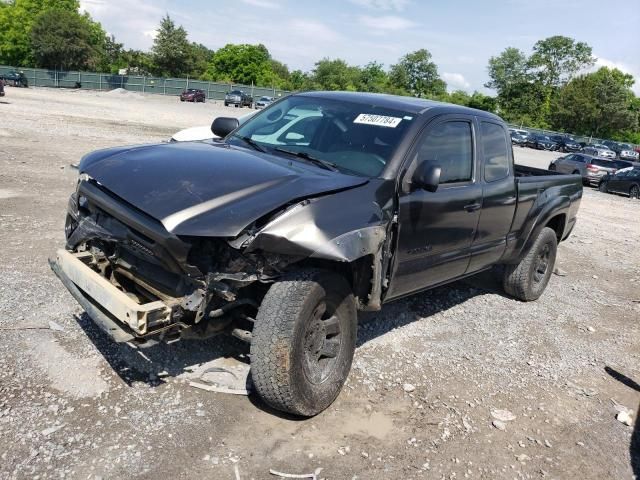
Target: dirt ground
column 429, row 373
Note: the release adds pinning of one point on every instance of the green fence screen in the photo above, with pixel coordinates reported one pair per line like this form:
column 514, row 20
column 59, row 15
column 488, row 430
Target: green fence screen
column 37, row 77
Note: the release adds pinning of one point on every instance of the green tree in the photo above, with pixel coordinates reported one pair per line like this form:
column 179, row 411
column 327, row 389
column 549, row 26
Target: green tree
column 417, row 74
column 244, row 63
column 557, row 59
column 373, row 78
column 298, row 80
column 509, row 68
column 335, row 75
column 171, row 50
column 16, row 20
column 199, row 58
column 482, row 102
column 61, row 39
column 601, row 104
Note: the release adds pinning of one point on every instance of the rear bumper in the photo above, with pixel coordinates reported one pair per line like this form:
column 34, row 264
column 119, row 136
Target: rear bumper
column 112, row 310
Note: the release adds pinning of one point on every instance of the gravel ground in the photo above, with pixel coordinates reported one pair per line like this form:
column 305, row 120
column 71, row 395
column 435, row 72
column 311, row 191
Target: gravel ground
column 458, row 382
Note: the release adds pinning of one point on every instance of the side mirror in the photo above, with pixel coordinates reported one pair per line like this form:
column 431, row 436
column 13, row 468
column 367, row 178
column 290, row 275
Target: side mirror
column 427, row 177
column 223, row 126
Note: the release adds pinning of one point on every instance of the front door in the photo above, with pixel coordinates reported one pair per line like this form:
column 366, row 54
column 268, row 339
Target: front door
column 435, row 229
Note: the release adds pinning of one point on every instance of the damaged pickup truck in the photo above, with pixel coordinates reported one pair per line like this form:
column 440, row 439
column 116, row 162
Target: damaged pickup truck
column 321, row 205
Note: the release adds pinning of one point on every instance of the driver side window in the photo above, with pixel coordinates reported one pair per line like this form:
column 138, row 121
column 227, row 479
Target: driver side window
column 450, row 146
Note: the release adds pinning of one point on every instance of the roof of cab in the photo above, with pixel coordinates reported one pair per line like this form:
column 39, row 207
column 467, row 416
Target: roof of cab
column 397, row 102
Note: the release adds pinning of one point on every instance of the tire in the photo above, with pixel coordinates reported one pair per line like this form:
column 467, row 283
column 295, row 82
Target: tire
column 288, row 367
column 603, row 187
column 528, row 279
column 634, row 192
column 226, row 104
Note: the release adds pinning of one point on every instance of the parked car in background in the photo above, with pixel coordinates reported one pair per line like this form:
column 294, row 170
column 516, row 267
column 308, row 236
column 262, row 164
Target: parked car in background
column 591, row 169
column 238, row 98
column 624, row 182
column 598, row 150
column 264, row 102
column 519, row 131
column 540, row 142
column 627, row 152
column 566, row 143
column 15, row 79
column 203, row 132
column 624, row 164
column 518, row 138
column 193, row 95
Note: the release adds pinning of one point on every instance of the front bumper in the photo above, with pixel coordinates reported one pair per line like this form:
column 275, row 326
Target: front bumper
column 122, row 318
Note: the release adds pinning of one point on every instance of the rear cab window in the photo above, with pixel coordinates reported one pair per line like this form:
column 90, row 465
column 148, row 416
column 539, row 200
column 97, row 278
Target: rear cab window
column 495, row 150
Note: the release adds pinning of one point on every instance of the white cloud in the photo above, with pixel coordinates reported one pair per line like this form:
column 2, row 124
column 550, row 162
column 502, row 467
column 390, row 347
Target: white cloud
column 152, row 34
column 623, row 67
column 313, row 29
column 456, row 81
column 262, row 3
column 387, row 22
column 398, row 5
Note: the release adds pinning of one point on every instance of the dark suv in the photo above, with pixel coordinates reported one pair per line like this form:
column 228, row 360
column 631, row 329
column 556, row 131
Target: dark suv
column 193, row 95
column 238, row 98
column 540, row 142
column 566, row 143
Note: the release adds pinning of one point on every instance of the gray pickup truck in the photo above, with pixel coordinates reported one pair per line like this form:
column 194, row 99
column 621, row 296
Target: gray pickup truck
column 319, row 206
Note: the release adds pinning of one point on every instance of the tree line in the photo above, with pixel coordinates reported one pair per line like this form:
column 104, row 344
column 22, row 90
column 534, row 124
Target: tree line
column 544, row 89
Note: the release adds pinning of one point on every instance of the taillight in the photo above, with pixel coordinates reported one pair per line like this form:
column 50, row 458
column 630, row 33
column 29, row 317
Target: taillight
column 593, row 168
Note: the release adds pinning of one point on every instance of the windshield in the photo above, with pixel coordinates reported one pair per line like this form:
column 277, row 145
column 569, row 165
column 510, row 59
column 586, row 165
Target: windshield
column 235, row 92
column 265, row 99
column 625, row 146
column 355, row 138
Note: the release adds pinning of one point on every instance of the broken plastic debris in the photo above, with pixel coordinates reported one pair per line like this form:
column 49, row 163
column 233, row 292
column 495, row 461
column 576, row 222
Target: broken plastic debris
column 313, row 476
column 224, row 380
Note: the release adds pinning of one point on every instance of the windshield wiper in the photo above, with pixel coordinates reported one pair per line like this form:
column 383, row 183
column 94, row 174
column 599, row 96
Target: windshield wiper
column 306, row 156
column 251, row 143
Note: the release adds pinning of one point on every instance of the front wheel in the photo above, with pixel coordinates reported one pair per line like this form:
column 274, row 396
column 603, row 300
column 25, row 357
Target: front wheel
column 634, row 192
column 303, row 342
column 528, row 279
column 603, row 187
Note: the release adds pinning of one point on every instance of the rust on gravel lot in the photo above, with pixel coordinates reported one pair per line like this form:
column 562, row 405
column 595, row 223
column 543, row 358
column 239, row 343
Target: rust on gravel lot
column 75, row 405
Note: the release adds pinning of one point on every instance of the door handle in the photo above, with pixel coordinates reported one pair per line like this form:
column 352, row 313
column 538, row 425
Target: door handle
column 472, row 207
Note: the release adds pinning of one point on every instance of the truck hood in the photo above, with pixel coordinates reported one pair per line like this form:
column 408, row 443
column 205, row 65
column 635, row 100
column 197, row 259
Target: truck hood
column 204, row 189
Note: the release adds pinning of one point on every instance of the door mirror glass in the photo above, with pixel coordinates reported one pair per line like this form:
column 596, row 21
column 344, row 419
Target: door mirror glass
column 223, row 126
column 427, row 176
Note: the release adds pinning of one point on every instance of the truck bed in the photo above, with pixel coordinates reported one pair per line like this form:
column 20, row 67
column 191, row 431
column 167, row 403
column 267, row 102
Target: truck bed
column 539, row 192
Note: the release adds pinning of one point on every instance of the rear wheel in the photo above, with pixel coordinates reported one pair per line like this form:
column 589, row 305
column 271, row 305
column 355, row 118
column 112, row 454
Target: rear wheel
column 634, row 192
column 303, row 342
column 528, row 279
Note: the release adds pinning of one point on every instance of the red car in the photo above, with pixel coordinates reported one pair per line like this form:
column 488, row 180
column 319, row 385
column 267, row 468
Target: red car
column 193, row 95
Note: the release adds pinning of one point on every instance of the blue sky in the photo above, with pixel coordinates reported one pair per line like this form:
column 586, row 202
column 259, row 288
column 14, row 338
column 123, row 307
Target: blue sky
column 461, row 34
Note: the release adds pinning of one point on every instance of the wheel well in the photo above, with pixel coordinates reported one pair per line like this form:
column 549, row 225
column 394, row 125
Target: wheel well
column 358, row 273
column 557, row 224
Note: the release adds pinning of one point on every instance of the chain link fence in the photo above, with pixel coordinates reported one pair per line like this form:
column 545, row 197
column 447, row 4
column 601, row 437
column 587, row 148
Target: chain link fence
column 37, row 77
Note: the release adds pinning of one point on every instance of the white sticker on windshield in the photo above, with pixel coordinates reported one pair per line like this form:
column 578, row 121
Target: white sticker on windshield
column 377, row 120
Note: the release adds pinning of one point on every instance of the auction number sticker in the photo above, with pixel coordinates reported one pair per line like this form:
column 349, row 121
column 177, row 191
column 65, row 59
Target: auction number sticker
column 377, row 120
